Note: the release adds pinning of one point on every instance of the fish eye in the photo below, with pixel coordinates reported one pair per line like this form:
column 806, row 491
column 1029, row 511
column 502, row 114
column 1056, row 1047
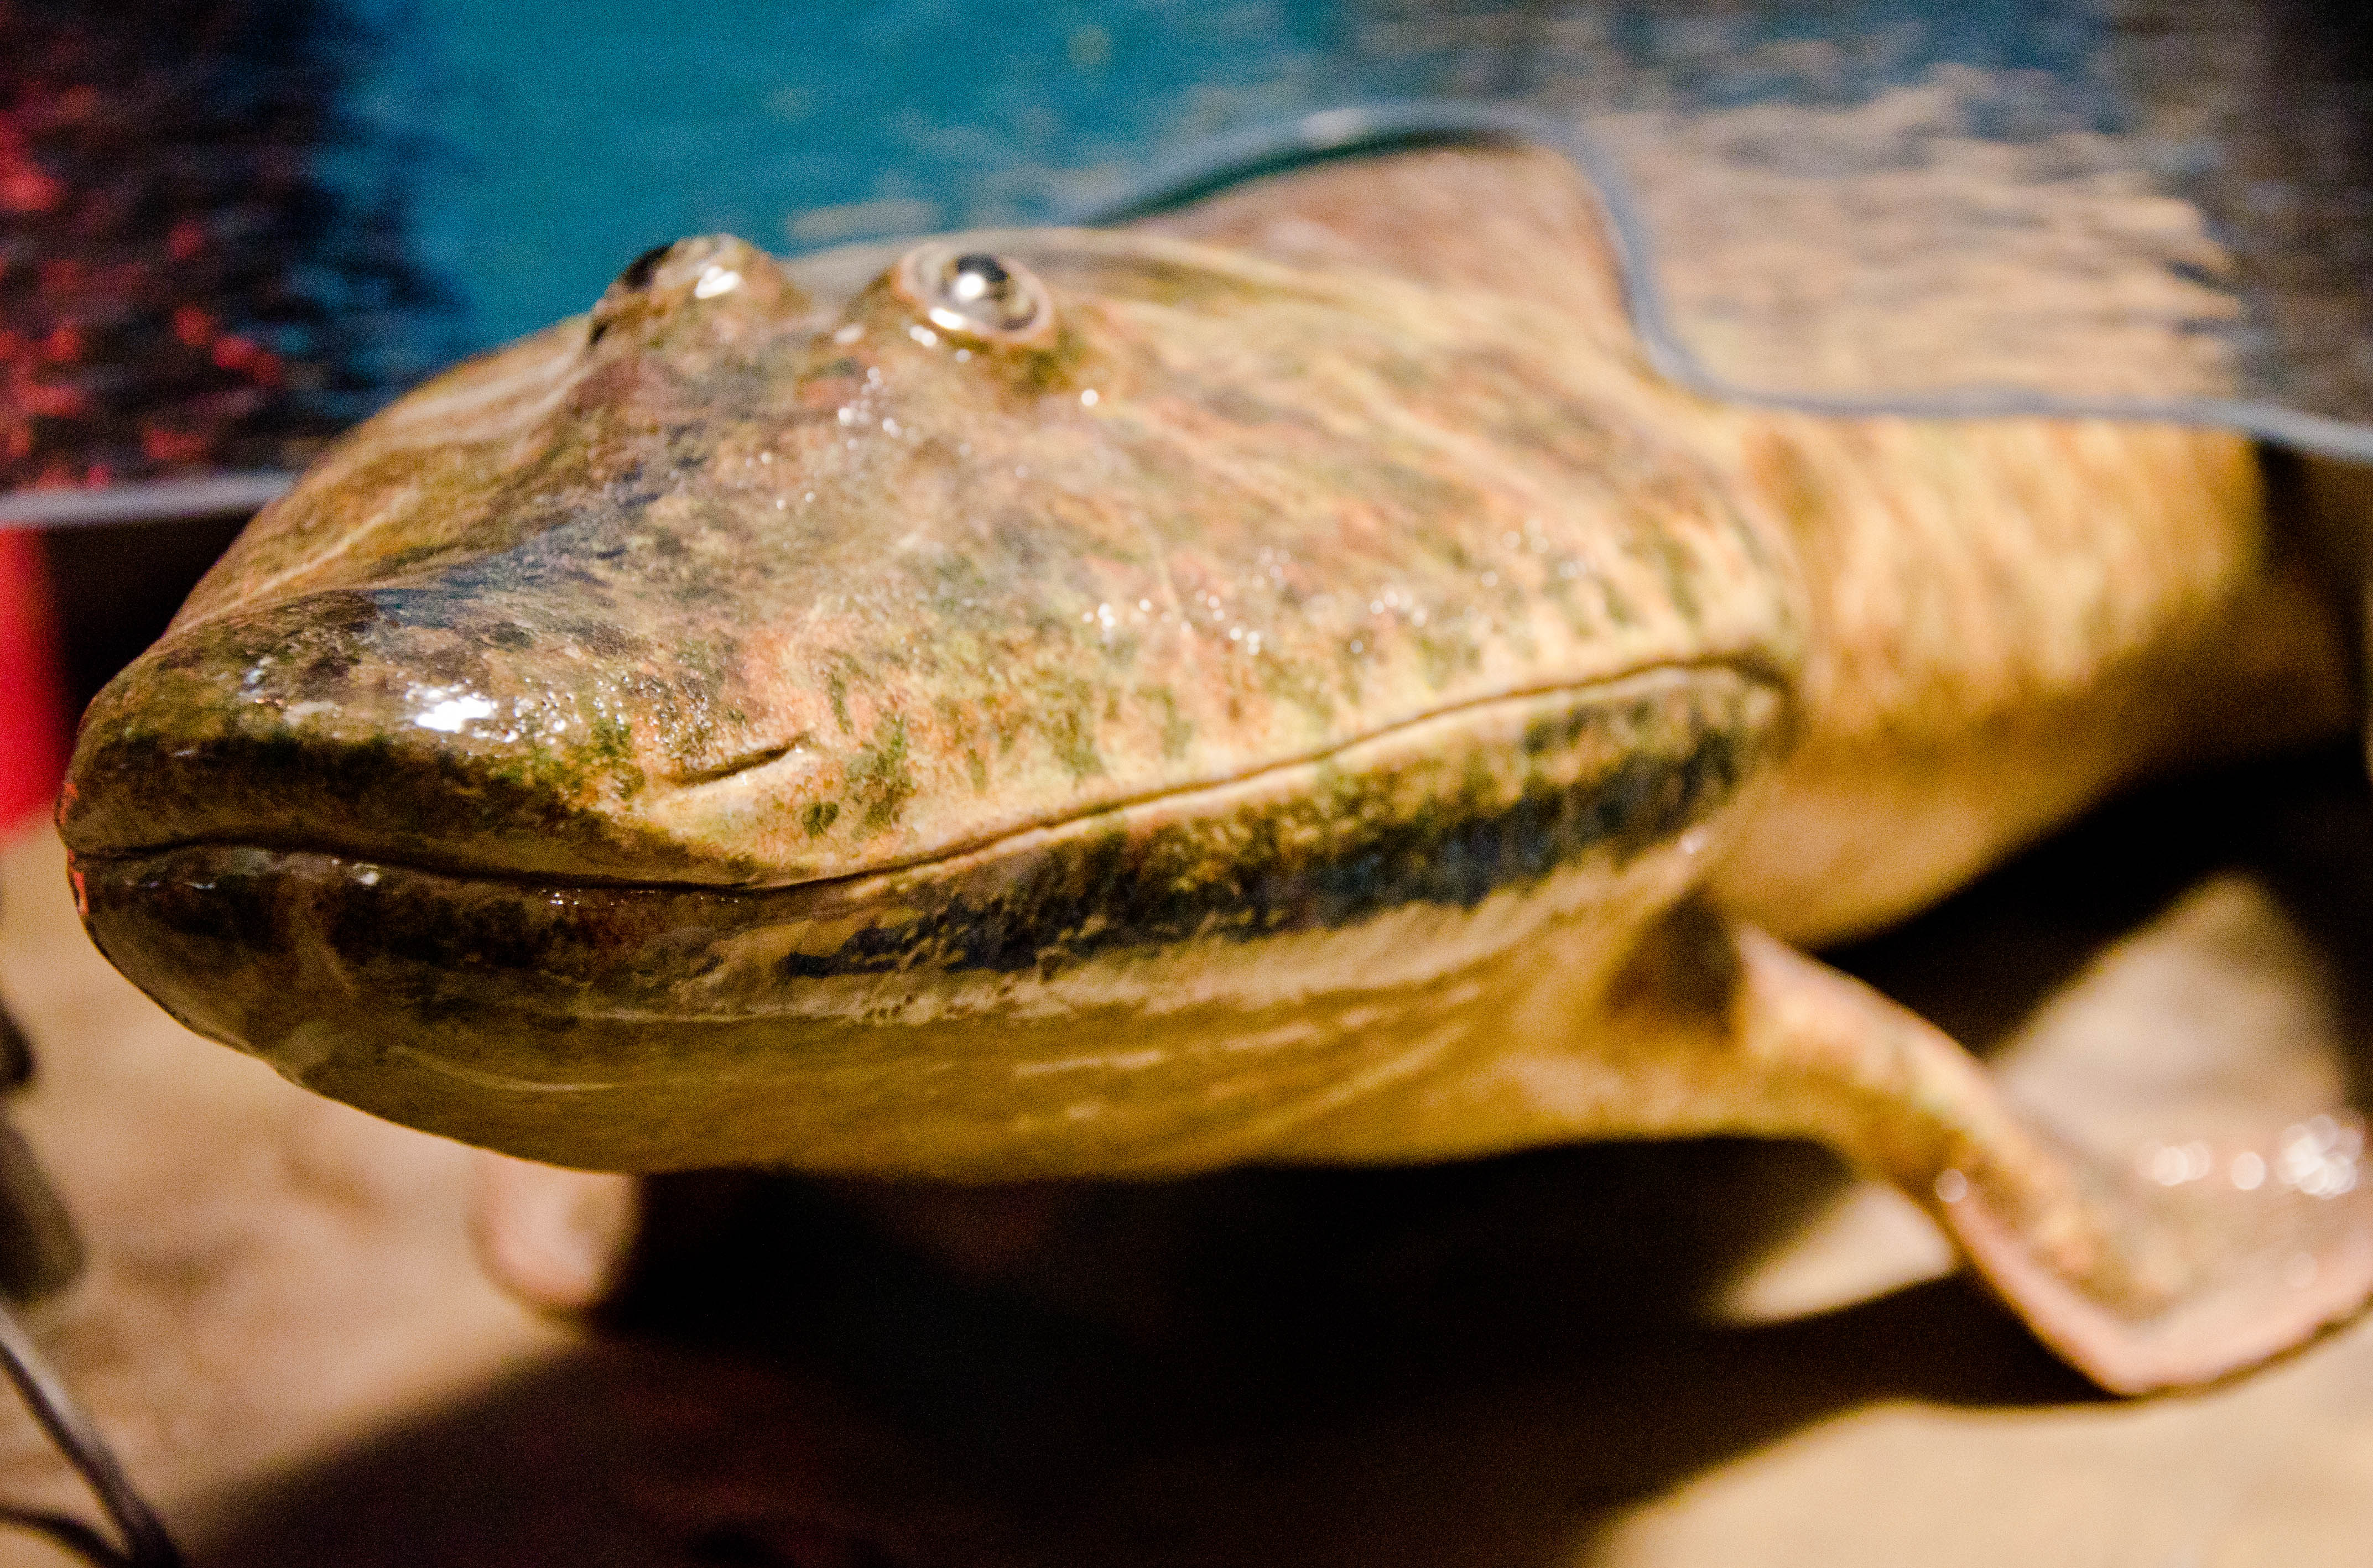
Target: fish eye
column 637, row 273
column 975, row 294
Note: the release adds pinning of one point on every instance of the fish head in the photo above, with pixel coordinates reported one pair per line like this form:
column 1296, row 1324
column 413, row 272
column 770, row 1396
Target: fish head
column 779, row 659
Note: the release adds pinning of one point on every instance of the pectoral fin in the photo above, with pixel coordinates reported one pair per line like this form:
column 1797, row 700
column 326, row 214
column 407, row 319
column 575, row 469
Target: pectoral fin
column 2139, row 1285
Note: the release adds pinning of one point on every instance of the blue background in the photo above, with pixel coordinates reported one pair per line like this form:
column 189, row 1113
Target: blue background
column 547, row 142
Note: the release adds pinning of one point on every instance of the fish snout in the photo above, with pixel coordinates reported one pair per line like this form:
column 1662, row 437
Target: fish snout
column 389, row 724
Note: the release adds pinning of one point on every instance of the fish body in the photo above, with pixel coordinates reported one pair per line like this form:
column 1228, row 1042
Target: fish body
column 1286, row 681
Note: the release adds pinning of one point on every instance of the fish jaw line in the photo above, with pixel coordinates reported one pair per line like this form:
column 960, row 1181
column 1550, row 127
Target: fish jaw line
column 1405, row 822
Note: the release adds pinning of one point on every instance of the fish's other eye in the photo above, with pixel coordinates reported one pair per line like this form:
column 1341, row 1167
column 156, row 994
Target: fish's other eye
column 975, row 294
column 637, row 273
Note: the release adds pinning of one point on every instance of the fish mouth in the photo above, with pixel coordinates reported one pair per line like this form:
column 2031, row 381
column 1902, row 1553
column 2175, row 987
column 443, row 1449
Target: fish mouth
column 1385, row 862
column 1443, row 811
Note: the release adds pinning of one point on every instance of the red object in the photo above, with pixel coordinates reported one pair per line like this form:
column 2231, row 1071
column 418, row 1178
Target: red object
column 33, row 704
column 181, row 286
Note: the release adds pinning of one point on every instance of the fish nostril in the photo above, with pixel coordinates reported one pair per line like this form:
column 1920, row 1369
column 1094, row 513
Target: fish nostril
column 975, row 294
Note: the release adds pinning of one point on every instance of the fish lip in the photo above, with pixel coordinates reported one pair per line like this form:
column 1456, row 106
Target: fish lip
column 1754, row 670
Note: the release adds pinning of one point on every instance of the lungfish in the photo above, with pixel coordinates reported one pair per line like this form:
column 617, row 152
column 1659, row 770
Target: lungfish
column 1284, row 681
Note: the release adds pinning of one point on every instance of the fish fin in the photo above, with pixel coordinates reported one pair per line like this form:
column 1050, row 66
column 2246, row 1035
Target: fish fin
column 2139, row 1285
